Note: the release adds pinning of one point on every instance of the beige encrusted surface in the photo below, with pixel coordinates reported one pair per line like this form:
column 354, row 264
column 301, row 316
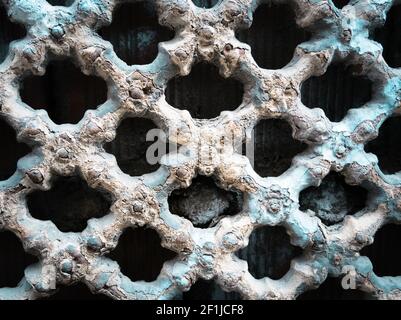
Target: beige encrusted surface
column 138, row 91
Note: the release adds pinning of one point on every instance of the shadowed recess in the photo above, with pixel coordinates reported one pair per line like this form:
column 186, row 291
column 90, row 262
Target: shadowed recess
column 269, row 252
column 77, row 291
column 15, row 150
column 208, row 290
column 13, row 259
column 64, row 92
column 387, row 146
column 138, row 261
column 274, row 147
column 9, row 31
column 204, row 203
column 273, row 35
column 135, row 32
column 385, row 262
column 389, row 36
column 331, row 289
column 205, row 3
column 336, row 91
column 130, row 146
column 201, row 92
column 340, row 3
column 333, row 199
column 64, row 3
column 69, row 204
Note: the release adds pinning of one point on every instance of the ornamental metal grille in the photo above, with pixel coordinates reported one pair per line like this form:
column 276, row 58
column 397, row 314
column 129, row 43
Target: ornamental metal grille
column 330, row 239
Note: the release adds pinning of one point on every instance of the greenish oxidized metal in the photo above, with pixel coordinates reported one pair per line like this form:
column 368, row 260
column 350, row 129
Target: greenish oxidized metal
column 201, row 35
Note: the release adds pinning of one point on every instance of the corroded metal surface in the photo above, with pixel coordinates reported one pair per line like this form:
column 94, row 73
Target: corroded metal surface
column 138, row 91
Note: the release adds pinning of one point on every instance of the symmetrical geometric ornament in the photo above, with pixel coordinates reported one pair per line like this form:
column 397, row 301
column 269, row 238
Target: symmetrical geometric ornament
column 208, row 36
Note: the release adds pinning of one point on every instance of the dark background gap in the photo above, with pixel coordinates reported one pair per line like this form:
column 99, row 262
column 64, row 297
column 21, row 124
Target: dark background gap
column 273, row 35
column 69, row 204
column 340, row 3
column 385, row 263
column 64, row 92
column 137, row 261
column 9, row 31
column 333, row 195
column 15, row 150
column 13, row 259
column 65, row 3
column 135, row 32
column 130, row 146
column 336, row 91
column 221, row 203
column 200, row 92
column 387, row 146
column 205, row 3
column 274, row 147
column 389, row 37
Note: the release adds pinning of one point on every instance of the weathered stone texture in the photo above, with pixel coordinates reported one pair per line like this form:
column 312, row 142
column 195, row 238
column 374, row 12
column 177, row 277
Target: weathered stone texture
column 201, row 35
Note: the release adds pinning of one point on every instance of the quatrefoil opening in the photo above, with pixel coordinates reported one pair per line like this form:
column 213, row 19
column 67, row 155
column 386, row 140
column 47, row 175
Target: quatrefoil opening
column 203, row 89
column 273, row 147
column 131, row 254
column 333, row 199
column 135, row 32
column 273, row 24
column 204, row 203
column 336, row 91
column 269, row 252
column 69, row 204
column 64, row 92
column 130, row 147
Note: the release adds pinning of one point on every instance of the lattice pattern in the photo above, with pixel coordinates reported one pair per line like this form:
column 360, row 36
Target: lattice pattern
column 138, row 91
